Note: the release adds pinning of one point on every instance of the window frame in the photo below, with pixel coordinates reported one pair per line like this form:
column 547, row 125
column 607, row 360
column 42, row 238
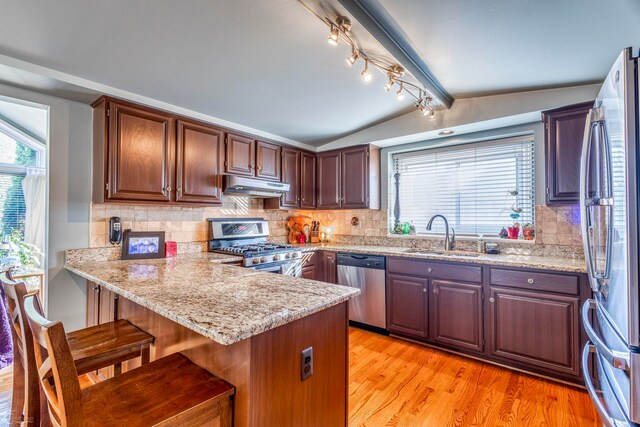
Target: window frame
column 528, row 137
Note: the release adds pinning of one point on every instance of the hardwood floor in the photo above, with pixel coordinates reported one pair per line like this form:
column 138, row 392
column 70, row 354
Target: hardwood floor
column 398, row 383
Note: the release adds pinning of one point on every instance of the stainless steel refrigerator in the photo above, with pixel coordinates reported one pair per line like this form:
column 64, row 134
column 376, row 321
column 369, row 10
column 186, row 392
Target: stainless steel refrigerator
column 609, row 217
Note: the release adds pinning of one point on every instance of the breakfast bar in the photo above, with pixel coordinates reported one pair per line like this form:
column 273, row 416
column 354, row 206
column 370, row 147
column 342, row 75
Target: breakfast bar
column 245, row 326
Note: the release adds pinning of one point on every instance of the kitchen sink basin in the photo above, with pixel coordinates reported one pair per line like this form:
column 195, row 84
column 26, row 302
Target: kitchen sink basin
column 443, row 253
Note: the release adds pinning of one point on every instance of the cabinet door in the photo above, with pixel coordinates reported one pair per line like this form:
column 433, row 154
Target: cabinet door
column 240, row 155
column 140, row 148
column 309, row 272
column 328, row 180
column 538, row 329
column 329, row 267
column 407, row 305
column 308, row 181
column 455, row 314
column 291, row 176
column 355, row 178
column 199, row 163
column 563, row 146
column 268, row 161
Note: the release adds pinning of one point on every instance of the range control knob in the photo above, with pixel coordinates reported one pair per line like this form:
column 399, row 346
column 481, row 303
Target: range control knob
column 255, row 260
column 287, row 256
column 294, row 255
column 276, row 257
column 263, row 259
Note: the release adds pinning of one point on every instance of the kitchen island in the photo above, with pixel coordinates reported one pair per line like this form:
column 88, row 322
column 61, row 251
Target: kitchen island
column 245, row 326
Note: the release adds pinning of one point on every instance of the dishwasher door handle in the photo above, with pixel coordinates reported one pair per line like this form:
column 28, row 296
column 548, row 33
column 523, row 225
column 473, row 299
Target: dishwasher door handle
column 358, row 256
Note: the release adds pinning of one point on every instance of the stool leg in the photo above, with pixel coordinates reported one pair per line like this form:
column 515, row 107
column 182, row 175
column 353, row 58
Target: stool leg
column 145, row 355
column 18, row 391
column 117, row 369
column 226, row 412
column 32, row 396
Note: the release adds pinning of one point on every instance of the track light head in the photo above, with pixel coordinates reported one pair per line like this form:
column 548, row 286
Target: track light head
column 344, row 23
column 366, row 75
column 400, row 93
column 432, row 115
column 353, row 58
column 334, row 34
column 389, row 84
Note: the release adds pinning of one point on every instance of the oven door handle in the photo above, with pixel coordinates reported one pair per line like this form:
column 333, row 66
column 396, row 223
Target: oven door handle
column 617, row 359
column 607, row 420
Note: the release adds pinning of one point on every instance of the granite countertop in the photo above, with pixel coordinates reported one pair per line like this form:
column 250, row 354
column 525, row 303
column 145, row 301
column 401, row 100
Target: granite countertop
column 198, row 291
column 524, row 261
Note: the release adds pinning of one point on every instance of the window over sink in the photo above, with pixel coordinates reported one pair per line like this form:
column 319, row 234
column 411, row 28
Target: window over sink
column 479, row 187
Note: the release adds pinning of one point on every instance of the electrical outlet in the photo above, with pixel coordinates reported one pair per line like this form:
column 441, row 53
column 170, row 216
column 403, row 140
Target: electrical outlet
column 306, row 365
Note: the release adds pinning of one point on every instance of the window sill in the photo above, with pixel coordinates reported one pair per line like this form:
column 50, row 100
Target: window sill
column 461, row 238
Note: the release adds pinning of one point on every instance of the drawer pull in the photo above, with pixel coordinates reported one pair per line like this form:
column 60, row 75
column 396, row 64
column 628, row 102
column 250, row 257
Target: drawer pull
column 530, row 281
column 429, row 270
column 492, row 299
column 424, row 289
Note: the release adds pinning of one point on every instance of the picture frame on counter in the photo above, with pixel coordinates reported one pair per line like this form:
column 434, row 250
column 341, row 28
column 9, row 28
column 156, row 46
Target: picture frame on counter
column 143, row 244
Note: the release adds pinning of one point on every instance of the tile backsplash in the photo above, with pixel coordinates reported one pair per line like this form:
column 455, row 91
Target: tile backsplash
column 557, row 228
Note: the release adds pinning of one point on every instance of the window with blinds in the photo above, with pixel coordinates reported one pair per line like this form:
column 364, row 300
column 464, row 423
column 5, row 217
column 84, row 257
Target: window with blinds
column 476, row 186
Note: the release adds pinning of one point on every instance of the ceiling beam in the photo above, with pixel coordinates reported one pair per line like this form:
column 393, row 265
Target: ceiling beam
column 382, row 26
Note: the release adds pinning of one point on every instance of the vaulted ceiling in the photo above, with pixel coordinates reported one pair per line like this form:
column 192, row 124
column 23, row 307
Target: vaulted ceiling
column 266, row 64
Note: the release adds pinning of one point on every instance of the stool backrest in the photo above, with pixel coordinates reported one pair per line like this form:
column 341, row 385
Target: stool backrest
column 56, row 368
column 15, row 292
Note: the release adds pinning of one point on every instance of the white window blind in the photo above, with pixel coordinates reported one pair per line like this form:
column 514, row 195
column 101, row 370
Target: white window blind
column 472, row 185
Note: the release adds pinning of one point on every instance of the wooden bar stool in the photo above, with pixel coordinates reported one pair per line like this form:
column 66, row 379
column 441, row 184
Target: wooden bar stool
column 171, row 391
column 91, row 349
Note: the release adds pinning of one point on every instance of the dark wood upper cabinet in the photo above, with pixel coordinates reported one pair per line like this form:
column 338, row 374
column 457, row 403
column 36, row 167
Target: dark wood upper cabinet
column 137, row 155
column 329, row 185
column 308, row 181
column 456, row 314
column 535, row 328
column 199, row 158
column 407, row 305
column 564, row 133
column 349, row 178
column 354, row 185
column 291, row 176
column 267, row 161
column 240, row 156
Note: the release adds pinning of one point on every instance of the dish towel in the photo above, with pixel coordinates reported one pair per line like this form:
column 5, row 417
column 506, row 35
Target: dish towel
column 6, row 345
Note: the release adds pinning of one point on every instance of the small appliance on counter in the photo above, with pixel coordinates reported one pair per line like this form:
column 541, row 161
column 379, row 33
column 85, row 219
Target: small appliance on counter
column 491, row 248
column 247, row 237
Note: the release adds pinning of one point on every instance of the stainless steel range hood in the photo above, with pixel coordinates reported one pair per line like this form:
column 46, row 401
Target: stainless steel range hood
column 251, row 187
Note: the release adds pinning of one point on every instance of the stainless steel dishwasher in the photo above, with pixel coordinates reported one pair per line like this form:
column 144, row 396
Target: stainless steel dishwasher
column 367, row 273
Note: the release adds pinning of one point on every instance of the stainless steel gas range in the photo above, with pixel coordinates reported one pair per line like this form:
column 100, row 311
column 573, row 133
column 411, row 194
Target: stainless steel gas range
column 248, row 237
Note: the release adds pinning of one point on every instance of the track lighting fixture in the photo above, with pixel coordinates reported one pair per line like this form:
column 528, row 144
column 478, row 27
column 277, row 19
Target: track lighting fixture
column 340, row 31
column 354, row 57
column 400, row 93
column 389, row 84
column 366, row 75
column 333, row 36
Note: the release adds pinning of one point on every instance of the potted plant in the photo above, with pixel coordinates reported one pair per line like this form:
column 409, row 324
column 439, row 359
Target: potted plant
column 528, row 231
column 514, row 231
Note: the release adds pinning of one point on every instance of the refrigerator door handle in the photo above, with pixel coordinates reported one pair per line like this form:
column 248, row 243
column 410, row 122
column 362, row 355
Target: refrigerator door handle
column 615, row 358
column 603, row 195
column 607, row 420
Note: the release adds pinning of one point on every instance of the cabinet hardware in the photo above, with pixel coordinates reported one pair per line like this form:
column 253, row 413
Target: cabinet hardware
column 435, row 290
column 226, row 163
column 429, row 270
column 424, row 289
column 529, row 281
column 169, row 189
column 492, row 299
column 108, row 113
column 164, row 191
column 179, row 189
column 107, row 186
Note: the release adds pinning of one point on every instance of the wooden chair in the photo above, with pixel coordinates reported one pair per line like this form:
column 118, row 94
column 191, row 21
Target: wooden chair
column 171, row 391
column 91, row 349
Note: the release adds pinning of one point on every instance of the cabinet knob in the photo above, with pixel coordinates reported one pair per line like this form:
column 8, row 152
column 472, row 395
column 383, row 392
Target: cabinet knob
column 492, row 299
column 168, row 188
column 530, row 281
column 429, row 270
column 179, row 189
column 424, row 289
column 435, row 290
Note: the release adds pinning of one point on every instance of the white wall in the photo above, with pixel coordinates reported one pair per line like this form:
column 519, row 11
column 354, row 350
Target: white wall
column 69, row 198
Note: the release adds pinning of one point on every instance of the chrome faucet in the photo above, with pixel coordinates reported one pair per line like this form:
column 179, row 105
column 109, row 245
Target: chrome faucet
column 448, row 243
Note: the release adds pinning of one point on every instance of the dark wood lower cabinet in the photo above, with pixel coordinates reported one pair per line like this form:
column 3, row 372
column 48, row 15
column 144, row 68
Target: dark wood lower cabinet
column 455, row 314
column 329, row 267
column 102, row 307
column 406, row 305
column 535, row 328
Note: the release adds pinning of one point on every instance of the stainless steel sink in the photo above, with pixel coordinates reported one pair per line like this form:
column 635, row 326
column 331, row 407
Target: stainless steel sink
column 443, row 253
